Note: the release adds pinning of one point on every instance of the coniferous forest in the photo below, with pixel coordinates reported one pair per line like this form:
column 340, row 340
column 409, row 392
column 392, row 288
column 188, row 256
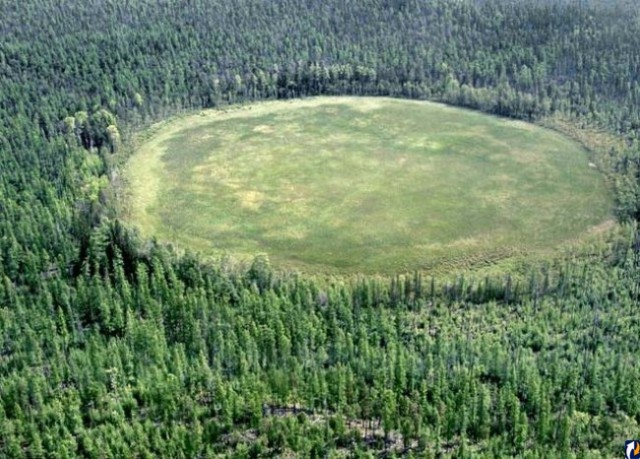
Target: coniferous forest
column 116, row 346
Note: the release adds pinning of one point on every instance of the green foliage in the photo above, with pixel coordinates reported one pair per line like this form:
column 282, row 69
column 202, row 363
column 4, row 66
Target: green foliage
column 111, row 345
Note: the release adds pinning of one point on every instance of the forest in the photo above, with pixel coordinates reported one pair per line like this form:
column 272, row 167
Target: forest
column 112, row 345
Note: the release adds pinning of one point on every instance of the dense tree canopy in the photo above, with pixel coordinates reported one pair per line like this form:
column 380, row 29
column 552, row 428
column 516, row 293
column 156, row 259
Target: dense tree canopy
column 111, row 346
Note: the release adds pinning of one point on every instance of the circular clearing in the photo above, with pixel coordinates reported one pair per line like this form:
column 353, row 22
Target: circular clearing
column 346, row 184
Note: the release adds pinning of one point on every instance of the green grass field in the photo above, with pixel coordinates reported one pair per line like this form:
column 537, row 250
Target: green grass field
column 346, row 185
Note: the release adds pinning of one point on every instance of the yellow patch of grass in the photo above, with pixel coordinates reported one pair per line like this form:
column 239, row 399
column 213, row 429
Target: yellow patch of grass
column 520, row 125
column 264, row 129
column 250, row 199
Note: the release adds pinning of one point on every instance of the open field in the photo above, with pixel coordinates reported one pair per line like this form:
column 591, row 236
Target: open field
column 366, row 185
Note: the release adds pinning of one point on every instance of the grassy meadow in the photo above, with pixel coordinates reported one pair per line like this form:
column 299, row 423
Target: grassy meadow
column 363, row 185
